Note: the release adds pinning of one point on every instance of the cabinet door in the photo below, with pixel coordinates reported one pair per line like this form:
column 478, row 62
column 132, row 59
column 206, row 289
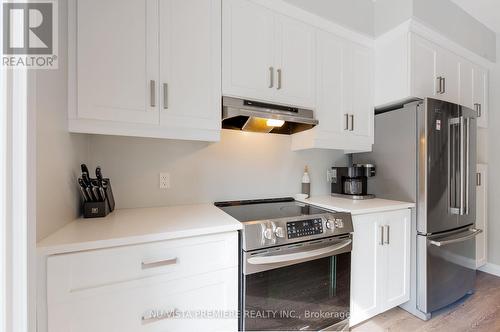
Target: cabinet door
column 481, row 214
column 295, row 62
column 466, row 83
column 480, row 95
column 447, row 67
column 117, row 52
column 190, row 45
column 366, row 265
column 423, row 67
column 361, row 89
column 248, row 46
column 397, row 258
column 331, row 101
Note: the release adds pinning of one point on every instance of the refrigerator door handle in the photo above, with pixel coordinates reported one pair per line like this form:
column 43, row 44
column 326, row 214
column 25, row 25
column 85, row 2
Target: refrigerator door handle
column 467, row 164
column 464, row 165
column 471, row 233
column 455, row 202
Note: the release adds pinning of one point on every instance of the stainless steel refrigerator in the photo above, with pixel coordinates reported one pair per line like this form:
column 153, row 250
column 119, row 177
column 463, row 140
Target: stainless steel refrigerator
column 425, row 152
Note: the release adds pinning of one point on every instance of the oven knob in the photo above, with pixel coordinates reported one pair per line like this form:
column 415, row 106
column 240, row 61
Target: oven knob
column 280, row 232
column 268, row 233
column 339, row 223
column 330, row 224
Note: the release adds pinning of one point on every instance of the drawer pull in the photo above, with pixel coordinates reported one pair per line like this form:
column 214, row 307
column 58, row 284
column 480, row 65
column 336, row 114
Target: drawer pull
column 152, row 263
column 156, row 315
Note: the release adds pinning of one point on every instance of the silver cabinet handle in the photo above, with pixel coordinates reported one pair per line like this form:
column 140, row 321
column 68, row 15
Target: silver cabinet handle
column 388, row 231
column 381, row 235
column 271, row 77
column 152, row 263
column 156, row 315
column 352, row 122
column 346, row 121
column 279, row 79
column 165, row 95
column 478, row 179
column 152, row 93
column 441, row 85
column 478, row 109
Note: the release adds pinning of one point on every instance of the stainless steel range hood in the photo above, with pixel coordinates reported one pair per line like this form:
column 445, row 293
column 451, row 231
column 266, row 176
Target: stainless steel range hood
column 248, row 115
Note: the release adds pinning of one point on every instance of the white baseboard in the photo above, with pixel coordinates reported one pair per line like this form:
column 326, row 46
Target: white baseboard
column 491, row 269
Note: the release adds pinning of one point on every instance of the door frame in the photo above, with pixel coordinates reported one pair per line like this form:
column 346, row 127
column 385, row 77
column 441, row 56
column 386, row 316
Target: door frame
column 17, row 200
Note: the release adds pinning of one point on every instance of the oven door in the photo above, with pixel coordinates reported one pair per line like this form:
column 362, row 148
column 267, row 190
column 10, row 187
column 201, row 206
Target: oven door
column 301, row 287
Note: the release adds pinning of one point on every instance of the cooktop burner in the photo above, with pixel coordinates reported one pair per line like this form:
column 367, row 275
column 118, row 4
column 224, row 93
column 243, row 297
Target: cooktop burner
column 264, row 209
column 282, row 221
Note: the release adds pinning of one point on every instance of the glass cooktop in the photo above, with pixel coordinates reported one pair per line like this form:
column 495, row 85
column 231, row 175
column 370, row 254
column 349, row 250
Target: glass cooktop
column 263, row 209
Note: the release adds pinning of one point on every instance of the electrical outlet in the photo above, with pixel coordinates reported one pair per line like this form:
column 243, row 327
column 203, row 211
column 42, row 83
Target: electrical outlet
column 329, row 175
column 164, row 180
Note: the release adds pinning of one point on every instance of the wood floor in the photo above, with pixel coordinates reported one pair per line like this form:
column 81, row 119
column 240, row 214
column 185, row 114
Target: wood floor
column 477, row 312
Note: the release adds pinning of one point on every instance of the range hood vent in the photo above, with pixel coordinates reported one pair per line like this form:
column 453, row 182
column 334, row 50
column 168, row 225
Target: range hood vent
column 248, row 115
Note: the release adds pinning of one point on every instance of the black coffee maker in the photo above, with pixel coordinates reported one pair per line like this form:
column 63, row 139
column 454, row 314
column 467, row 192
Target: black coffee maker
column 352, row 182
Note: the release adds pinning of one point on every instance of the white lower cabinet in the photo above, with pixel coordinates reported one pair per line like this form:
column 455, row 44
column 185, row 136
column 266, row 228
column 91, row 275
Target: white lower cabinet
column 380, row 268
column 482, row 215
column 179, row 285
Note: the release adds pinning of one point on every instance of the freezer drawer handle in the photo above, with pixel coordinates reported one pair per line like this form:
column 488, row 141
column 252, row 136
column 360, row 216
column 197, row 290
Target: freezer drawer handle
column 299, row 255
column 460, row 239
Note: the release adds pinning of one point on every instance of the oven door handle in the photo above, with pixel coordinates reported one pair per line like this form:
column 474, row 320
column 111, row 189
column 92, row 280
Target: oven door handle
column 273, row 259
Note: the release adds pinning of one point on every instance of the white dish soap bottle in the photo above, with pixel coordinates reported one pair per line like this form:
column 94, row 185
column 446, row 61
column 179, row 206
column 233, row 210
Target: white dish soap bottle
column 306, row 183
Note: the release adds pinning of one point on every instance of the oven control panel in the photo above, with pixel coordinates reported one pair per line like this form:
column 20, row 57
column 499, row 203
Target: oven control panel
column 303, row 228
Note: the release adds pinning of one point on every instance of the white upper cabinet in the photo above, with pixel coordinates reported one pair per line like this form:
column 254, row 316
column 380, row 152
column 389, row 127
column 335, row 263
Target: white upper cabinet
column 267, row 56
column 156, row 72
column 344, row 94
column 480, row 95
column 423, row 68
column 409, row 66
column 190, row 53
column 361, row 89
column 447, row 71
column 248, row 50
column 117, row 54
column 295, row 70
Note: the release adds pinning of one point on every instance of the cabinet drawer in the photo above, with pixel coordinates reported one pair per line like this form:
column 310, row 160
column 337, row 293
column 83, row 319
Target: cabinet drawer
column 173, row 259
column 182, row 305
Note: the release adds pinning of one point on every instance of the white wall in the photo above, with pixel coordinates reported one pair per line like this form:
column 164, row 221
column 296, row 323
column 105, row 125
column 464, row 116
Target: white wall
column 443, row 16
column 494, row 165
column 391, row 13
column 58, row 152
column 356, row 15
column 242, row 165
column 456, row 24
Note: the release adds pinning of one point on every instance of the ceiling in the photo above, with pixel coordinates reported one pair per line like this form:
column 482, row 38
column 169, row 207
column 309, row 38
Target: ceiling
column 485, row 11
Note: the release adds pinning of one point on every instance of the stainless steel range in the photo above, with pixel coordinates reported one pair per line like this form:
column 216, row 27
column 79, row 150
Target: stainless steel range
column 295, row 265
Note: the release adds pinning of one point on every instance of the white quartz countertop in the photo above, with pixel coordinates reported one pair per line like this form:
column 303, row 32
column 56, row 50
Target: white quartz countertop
column 133, row 226
column 357, row 207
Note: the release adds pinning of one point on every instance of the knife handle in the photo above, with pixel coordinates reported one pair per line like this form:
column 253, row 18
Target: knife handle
column 98, row 173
